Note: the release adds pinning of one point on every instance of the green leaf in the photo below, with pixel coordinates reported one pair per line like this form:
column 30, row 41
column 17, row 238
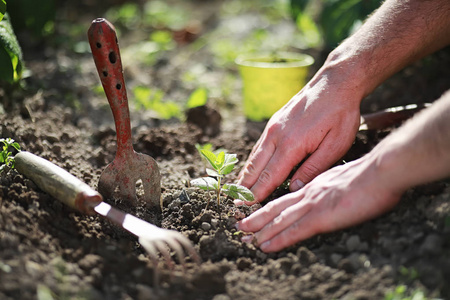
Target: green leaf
column 220, row 159
column 237, row 191
column 199, row 97
column 212, row 173
column 205, row 183
column 2, row 8
column 229, row 163
column 210, row 157
column 16, row 146
column 11, row 63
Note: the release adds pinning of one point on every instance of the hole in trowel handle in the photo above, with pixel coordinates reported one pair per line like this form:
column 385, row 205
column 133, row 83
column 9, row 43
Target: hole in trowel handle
column 112, row 57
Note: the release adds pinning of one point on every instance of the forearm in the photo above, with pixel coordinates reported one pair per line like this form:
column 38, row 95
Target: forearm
column 419, row 151
column 397, row 34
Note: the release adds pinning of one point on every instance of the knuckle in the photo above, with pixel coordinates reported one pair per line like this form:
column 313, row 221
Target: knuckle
column 265, row 177
column 310, row 171
column 250, row 168
column 273, row 128
column 270, row 206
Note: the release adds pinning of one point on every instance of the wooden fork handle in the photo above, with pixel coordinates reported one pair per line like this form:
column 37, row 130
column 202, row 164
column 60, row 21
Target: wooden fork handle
column 57, row 182
column 105, row 51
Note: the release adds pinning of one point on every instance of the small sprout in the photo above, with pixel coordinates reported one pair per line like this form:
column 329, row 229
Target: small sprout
column 6, row 158
column 222, row 164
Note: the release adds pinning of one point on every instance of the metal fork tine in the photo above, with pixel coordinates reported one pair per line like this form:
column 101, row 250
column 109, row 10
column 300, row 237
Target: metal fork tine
column 188, row 246
column 178, row 251
column 152, row 252
column 165, row 251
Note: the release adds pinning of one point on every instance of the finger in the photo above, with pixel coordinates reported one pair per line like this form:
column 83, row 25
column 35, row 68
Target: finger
column 300, row 230
column 250, row 156
column 257, row 220
column 255, row 165
column 328, row 152
column 284, row 220
column 276, row 171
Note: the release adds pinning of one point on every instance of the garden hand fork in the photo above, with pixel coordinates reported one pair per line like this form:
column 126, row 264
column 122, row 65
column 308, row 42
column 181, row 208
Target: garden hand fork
column 128, row 166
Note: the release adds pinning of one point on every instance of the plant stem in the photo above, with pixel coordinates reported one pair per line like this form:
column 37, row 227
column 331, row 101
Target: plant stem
column 218, row 191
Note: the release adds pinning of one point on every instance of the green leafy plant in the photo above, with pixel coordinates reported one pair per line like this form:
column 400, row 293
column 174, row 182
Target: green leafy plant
column 11, row 61
column 6, row 158
column 333, row 19
column 199, row 97
column 222, row 164
column 401, row 293
column 152, row 99
column 2, row 8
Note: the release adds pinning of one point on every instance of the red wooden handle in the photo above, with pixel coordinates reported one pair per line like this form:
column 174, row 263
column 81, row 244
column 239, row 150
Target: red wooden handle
column 105, row 50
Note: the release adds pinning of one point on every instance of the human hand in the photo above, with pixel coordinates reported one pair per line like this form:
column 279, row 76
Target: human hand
column 318, row 125
column 341, row 197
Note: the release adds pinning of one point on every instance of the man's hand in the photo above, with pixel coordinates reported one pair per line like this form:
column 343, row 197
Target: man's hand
column 347, row 195
column 318, row 125
column 341, row 197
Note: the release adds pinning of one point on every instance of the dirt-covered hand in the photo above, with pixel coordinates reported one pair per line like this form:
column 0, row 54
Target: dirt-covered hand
column 318, row 125
column 341, row 197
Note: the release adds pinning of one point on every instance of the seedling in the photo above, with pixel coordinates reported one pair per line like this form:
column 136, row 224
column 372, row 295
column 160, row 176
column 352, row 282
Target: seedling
column 222, row 164
column 6, row 158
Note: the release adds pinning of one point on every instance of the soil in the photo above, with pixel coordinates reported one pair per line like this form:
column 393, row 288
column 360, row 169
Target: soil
column 49, row 251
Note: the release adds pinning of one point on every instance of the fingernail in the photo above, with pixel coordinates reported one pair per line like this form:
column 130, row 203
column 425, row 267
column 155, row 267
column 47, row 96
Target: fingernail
column 247, row 238
column 238, row 202
column 296, row 185
column 264, row 245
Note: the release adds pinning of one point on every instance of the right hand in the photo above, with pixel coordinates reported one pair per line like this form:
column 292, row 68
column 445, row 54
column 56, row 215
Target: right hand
column 318, row 125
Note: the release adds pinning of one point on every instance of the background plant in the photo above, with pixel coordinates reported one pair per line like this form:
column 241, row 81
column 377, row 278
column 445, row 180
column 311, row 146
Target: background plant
column 222, row 164
column 11, row 60
column 6, row 158
column 333, row 20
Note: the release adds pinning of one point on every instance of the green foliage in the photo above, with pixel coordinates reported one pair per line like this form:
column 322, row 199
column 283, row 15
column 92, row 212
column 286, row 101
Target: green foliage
column 401, row 293
column 36, row 16
column 11, row 61
column 222, row 164
column 2, row 8
column 152, row 99
column 6, row 158
column 199, row 97
column 408, row 274
column 153, row 14
column 209, row 147
column 160, row 14
column 127, row 15
column 335, row 19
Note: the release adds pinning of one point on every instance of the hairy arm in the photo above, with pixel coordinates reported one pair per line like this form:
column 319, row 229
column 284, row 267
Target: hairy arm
column 397, row 34
column 318, row 125
column 419, row 152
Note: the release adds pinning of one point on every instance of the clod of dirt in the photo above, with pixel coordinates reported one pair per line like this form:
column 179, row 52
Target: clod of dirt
column 206, row 118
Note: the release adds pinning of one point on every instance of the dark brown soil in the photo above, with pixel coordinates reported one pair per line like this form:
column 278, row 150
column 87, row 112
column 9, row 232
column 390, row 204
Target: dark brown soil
column 49, row 250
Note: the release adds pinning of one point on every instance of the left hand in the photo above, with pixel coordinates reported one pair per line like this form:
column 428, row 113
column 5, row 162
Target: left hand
column 341, row 197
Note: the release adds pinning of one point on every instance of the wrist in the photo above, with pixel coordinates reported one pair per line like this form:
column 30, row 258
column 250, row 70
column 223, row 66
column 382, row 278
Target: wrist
column 347, row 71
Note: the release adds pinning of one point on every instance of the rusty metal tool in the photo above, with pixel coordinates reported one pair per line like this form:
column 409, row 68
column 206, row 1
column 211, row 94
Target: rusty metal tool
column 128, row 166
column 73, row 192
column 390, row 117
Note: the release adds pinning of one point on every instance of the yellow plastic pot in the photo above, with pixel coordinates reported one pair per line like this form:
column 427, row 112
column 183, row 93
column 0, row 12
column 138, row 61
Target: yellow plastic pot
column 270, row 81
